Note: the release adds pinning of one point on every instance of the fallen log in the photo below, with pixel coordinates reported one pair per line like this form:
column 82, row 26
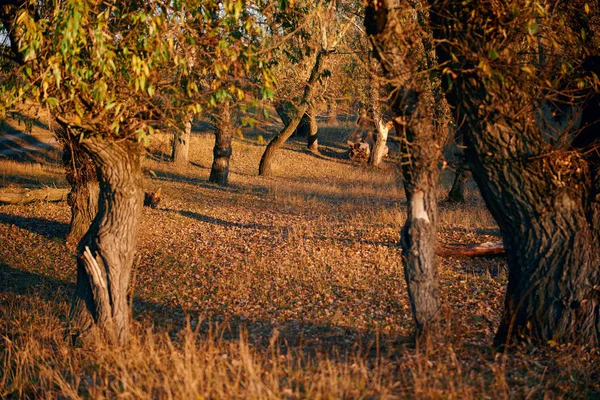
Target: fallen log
column 25, row 196
column 471, row 250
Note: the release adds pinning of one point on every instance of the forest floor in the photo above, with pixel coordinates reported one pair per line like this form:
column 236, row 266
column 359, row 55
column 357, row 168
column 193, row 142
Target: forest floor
column 289, row 286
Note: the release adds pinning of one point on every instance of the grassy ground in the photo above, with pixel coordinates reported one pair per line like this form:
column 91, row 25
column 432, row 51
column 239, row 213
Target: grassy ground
column 281, row 287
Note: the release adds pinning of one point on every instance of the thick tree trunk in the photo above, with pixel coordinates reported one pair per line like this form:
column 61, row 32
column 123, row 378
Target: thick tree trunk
column 420, row 155
column 265, row 167
column 545, row 200
column 219, row 172
column 106, row 251
column 457, row 192
column 83, row 197
column 181, row 144
column 313, row 130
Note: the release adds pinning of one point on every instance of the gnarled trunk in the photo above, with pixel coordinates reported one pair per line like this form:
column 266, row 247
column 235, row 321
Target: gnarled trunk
column 181, row 143
column 83, row 197
column 219, row 172
column 545, row 200
column 106, row 251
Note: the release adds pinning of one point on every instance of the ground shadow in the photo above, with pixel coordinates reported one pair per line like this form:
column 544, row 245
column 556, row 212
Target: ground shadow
column 217, row 221
column 17, row 145
column 44, row 227
column 338, row 342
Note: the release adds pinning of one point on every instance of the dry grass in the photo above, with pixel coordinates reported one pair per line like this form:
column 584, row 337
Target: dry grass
column 281, row 287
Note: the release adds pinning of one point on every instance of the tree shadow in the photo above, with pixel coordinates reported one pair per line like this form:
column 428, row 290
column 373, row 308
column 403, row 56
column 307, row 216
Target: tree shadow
column 217, row 221
column 40, row 226
column 307, row 338
column 17, row 145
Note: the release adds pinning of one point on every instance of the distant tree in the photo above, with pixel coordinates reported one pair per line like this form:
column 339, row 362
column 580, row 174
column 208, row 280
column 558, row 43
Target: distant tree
column 219, row 172
column 522, row 79
column 327, row 36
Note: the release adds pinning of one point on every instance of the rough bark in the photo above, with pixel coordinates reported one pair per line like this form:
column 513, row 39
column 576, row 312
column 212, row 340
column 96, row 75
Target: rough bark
column 545, row 201
column 219, row 172
column 83, row 197
column 420, row 155
column 265, row 167
column 457, row 192
column 181, row 144
column 107, row 249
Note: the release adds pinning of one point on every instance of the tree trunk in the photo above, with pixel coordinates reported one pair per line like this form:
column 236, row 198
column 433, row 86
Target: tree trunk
column 419, row 234
column 181, row 143
column 303, row 128
column 265, row 167
column 106, row 251
column 286, row 111
column 545, row 200
column 332, row 118
column 219, row 172
column 457, row 192
column 313, row 132
column 83, row 197
column 380, row 145
column 420, row 154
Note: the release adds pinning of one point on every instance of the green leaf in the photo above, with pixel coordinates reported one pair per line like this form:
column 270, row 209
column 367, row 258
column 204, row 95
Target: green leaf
column 493, row 54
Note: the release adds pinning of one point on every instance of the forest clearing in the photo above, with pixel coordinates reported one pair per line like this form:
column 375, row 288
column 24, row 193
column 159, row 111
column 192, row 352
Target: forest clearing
column 314, row 199
column 280, row 287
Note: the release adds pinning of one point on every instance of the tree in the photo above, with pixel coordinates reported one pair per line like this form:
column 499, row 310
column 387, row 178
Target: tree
column 389, row 24
column 504, row 64
column 323, row 18
column 181, row 143
column 219, row 172
column 111, row 74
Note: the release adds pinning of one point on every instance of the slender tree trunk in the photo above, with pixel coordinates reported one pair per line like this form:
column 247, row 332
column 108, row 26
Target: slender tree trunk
column 181, row 144
column 380, row 144
column 83, row 197
column 332, row 113
column 303, row 128
column 286, row 111
column 265, row 167
column 420, row 151
column 106, row 251
column 457, row 192
column 219, row 172
column 545, row 201
column 313, row 131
